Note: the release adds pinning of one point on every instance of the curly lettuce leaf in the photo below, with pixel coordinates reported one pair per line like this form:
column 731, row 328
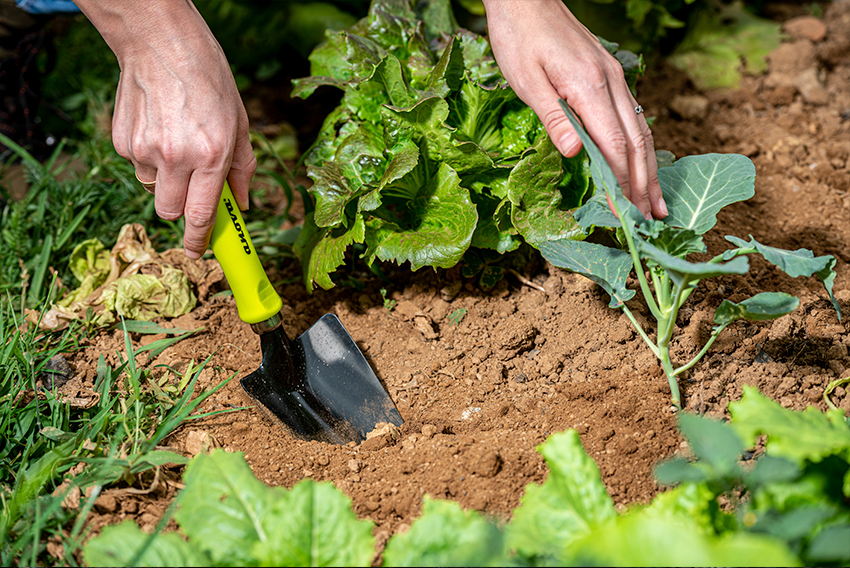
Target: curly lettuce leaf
column 440, row 223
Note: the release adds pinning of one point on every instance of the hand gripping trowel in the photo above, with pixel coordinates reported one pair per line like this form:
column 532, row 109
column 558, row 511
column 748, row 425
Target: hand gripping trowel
column 320, row 386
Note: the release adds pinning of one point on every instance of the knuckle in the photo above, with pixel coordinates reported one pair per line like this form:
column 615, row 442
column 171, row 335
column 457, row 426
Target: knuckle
column 639, row 144
column 201, row 215
column 615, row 143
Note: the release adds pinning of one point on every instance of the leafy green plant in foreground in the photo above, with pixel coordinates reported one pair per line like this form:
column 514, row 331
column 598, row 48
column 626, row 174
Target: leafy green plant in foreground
column 430, row 154
column 786, row 508
column 695, row 188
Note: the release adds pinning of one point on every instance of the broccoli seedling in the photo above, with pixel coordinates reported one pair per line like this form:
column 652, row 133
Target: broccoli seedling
column 695, row 189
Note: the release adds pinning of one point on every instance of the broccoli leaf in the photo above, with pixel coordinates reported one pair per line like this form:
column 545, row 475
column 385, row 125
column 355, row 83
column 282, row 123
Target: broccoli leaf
column 697, row 187
column 682, row 272
column 606, row 266
column 801, row 262
column 763, row 306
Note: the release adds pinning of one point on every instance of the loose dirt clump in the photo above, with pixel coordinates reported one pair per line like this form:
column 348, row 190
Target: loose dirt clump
column 524, row 361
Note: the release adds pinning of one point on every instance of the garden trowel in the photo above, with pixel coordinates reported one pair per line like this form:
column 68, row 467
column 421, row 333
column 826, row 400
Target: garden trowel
column 320, row 385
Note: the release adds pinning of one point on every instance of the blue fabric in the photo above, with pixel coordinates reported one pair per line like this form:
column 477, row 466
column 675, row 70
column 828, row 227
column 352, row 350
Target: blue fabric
column 47, row 6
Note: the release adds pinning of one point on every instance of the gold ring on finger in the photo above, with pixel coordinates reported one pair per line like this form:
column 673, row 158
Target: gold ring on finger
column 150, row 186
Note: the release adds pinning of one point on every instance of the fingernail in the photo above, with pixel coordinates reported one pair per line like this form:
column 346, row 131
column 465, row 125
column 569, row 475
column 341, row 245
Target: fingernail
column 568, row 144
column 662, row 206
column 192, row 254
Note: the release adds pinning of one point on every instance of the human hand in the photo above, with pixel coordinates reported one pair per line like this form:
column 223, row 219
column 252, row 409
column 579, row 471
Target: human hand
column 546, row 54
column 178, row 115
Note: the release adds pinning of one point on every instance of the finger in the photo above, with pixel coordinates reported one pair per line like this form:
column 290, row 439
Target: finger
column 171, row 184
column 603, row 124
column 656, row 197
column 201, row 204
column 637, row 142
column 242, row 168
column 542, row 97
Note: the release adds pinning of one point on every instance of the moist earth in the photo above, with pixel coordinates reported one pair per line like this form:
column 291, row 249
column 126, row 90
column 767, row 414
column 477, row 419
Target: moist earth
column 541, row 352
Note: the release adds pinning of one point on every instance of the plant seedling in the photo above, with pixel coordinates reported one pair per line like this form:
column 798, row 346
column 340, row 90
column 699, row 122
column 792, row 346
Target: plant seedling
column 695, row 189
column 389, row 304
column 456, row 316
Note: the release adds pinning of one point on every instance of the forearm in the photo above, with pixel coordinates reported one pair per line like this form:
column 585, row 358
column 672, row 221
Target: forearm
column 133, row 30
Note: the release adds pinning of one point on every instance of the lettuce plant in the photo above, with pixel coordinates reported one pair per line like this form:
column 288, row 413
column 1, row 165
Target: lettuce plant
column 430, row 154
column 786, row 508
column 695, row 188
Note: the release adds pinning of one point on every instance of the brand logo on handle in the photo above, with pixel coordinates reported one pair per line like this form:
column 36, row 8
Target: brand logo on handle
column 245, row 246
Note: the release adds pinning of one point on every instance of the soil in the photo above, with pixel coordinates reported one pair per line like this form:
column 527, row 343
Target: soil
column 535, row 357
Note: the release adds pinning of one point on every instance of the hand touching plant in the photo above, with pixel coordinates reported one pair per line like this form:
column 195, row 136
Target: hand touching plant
column 695, row 189
column 545, row 54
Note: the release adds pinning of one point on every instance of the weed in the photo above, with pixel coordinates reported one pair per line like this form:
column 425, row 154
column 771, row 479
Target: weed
column 456, row 316
column 388, row 303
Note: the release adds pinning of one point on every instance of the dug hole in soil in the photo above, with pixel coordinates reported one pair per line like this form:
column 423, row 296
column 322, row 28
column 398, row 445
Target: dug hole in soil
column 529, row 359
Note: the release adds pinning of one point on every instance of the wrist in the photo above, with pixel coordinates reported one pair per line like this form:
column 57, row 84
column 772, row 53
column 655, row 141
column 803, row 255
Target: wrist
column 131, row 28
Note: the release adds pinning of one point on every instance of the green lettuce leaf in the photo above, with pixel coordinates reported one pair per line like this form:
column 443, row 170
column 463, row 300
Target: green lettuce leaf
column 223, row 506
column 641, row 540
column 118, row 545
column 569, row 504
column 322, row 250
column 810, row 435
column 442, row 219
column 446, row 535
column 537, row 188
column 313, row 525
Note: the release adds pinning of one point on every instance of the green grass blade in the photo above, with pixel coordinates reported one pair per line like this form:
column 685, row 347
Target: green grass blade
column 41, row 270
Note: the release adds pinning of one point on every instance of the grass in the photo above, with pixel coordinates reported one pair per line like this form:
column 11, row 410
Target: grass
column 117, row 440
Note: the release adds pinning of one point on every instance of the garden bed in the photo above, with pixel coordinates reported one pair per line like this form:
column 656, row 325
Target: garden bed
column 542, row 352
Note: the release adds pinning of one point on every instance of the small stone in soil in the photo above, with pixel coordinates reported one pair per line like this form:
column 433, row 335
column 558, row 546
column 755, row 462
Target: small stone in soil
column 429, row 430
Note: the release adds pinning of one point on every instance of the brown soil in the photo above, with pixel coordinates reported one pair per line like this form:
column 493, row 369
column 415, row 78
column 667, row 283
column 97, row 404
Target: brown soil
column 526, row 361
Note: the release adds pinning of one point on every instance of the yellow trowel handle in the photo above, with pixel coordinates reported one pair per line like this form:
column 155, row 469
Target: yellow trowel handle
column 255, row 296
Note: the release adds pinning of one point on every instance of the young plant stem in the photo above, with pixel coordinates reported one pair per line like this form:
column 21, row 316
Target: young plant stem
column 644, row 285
column 640, row 331
column 665, row 334
column 702, row 352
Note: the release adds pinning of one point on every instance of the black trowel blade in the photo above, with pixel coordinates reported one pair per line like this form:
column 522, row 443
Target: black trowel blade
column 320, row 386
